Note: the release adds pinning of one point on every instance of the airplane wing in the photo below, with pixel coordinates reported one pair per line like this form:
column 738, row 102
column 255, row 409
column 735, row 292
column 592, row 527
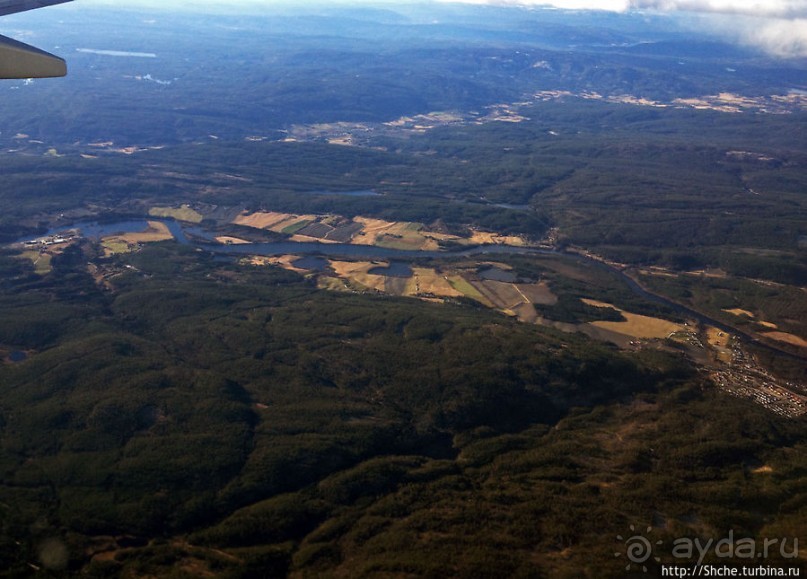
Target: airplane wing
column 18, row 60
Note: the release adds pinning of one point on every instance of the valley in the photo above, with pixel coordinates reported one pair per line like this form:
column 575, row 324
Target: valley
column 432, row 290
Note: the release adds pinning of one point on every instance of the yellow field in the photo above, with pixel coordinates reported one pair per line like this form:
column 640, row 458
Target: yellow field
column 597, row 304
column 429, row 281
column 488, row 238
column 764, row 469
column 356, row 272
column 284, row 261
column 642, row 327
column 156, row 231
column 260, row 220
column 376, row 232
column 184, row 213
column 307, row 239
column 740, row 312
column 393, row 234
column 271, row 220
column 635, row 325
column 227, row 240
column 424, row 282
column 792, row 339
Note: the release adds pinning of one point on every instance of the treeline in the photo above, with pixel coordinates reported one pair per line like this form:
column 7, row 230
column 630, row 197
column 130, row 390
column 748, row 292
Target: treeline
column 179, row 399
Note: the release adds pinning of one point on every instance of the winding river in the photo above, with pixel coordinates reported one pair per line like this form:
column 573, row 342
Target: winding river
column 98, row 230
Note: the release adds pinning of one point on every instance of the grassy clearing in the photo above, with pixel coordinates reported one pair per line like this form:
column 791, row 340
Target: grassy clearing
column 641, row 327
column 597, row 304
column 114, row 245
column 183, row 213
column 41, row 261
column 740, row 312
column 791, row 339
column 635, row 325
column 717, row 338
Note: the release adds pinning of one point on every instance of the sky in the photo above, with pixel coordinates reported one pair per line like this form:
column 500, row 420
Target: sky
column 777, row 26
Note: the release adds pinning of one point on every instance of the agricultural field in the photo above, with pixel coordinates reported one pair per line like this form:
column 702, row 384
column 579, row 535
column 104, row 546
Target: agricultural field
column 431, row 282
column 357, row 274
column 489, row 238
column 182, row 213
column 403, row 235
column 285, row 223
column 635, row 325
column 156, row 231
column 180, row 409
column 442, row 282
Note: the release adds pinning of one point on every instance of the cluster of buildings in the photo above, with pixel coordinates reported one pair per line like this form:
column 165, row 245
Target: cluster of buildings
column 50, row 240
column 743, row 377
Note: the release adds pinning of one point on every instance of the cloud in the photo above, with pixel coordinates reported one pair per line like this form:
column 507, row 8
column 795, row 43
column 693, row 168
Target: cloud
column 767, row 8
column 777, row 36
column 778, row 27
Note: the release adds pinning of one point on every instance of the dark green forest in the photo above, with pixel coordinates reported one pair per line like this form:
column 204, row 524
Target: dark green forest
column 204, row 406
column 184, row 414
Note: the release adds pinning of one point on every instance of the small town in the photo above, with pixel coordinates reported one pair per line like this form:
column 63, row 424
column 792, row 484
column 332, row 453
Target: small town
column 745, row 378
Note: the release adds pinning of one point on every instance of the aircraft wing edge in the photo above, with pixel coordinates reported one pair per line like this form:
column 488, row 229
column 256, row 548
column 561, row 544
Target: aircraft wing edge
column 14, row 6
column 19, row 60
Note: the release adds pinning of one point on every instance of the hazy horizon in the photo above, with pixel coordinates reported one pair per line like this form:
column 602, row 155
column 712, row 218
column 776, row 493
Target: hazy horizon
column 779, row 27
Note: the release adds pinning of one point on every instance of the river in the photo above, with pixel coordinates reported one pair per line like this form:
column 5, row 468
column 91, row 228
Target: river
column 96, row 230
